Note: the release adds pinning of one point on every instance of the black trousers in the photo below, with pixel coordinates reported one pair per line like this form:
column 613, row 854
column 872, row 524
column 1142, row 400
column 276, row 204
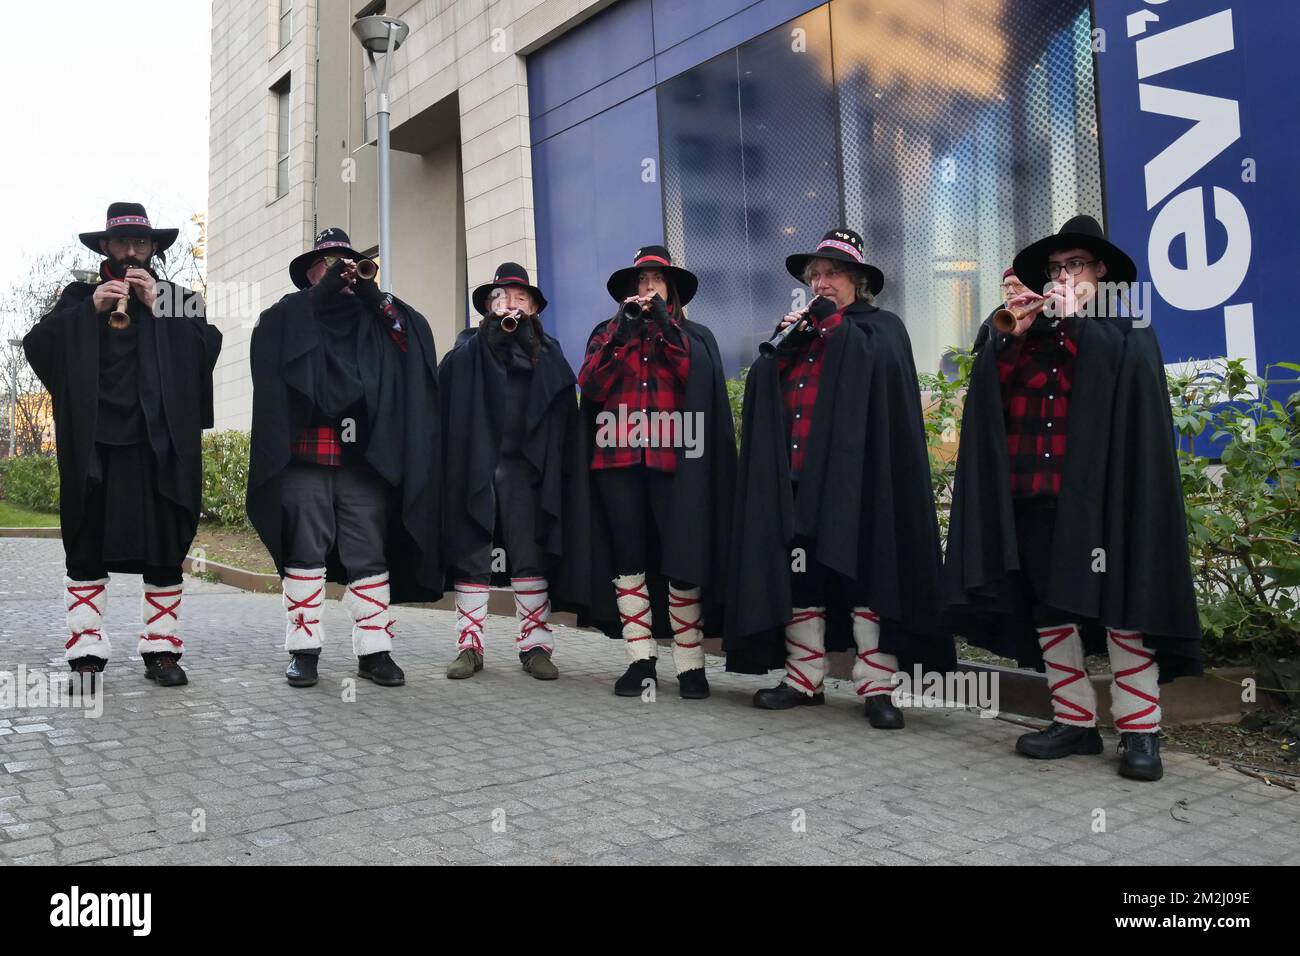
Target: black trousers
column 636, row 501
column 347, row 506
column 517, row 504
column 1035, row 523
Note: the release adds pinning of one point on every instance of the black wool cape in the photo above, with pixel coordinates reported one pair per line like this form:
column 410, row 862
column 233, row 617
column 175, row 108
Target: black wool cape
column 865, row 498
column 1119, row 552
column 404, row 447
column 473, row 385
column 176, row 356
column 701, row 511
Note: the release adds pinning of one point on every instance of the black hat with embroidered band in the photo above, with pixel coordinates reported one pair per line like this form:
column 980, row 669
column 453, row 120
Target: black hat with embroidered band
column 838, row 245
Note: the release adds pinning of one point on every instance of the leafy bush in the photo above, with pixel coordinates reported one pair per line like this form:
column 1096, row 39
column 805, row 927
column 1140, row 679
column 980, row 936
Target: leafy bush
column 31, row 481
column 1243, row 510
column 225, row 477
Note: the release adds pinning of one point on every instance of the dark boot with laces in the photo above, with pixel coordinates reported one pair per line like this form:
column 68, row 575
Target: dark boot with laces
column 1059, row 740
column 164, row 669
column 380, row 668
column 1140, row 757
column 633, row 680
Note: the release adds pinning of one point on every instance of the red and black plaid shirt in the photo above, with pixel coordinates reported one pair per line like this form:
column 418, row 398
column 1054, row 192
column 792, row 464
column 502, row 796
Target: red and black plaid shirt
column 322, row 444
column 801, row 372
column 645, row 374
column 1036, row 371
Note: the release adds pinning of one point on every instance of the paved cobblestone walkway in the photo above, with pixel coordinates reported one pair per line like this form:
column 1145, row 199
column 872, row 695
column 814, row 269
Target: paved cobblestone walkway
column 240, row 768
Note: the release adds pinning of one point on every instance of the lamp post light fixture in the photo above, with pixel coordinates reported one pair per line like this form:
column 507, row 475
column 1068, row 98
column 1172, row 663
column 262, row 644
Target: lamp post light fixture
column 380, row 34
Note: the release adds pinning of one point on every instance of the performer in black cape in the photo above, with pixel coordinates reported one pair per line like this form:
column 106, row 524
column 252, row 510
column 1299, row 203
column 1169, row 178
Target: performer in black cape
column 132, row 394
column 835, row 543
column 663, row 469
column 1068, row 531
column 516, row 473
column 344, row 474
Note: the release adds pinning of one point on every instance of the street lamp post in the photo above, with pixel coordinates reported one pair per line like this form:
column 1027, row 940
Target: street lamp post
column 380, row 34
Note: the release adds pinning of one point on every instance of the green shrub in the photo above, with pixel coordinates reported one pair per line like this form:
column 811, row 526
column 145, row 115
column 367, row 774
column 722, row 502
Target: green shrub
column 31, row 481
column 1243, row 510
column 225, row 477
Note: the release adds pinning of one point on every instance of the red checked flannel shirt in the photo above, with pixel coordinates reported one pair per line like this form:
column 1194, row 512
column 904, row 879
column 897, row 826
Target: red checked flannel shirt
column 321, row 443
column 646, row 374
column 1036, row 372
column 801, row 372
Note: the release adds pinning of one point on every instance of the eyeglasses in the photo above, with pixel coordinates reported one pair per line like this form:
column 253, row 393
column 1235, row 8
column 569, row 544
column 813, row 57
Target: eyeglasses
column 142, row 243
column 330, row 260
column 1072, row 266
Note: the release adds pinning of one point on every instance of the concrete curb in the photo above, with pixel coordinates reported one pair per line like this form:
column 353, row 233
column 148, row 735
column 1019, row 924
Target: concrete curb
column 1214, row 697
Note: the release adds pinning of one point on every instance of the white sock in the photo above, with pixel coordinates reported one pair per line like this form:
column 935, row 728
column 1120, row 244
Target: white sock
column 372, row 623
column 303, row 591
column 1074, row 702
column 85, row 602
column 805, row 650
column 873, row 670
column 1135, row 691
column 684, row 611
column 633, row 599
column 471, row 612
column 533, row 612
column 160, row 608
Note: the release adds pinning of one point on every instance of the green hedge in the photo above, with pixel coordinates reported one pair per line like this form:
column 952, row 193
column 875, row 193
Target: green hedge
column 225, row 477
column 31, row 481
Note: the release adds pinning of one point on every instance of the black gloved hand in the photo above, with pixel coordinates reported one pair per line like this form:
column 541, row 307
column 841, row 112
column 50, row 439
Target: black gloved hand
column 368, row 292
column 330, row 285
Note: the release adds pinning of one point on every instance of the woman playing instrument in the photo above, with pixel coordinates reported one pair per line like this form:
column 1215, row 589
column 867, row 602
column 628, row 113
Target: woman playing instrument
column 662, row 471
column 835, row 541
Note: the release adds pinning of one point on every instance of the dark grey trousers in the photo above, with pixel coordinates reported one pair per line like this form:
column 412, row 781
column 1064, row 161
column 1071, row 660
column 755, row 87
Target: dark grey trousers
column 323, row 506
column 516, row 514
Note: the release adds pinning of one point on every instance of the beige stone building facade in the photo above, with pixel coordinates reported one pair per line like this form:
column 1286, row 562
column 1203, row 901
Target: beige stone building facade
column 292, row 151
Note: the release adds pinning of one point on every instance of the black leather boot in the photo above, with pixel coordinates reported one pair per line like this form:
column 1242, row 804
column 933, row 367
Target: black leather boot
column 783, row 697
column 882, row 713
column 301, row 671
column 164, row 668
column 632, row 681
column 692, row 684
column 88, row 665
column 380, row 668
column 1141, row 757
column 1059, row 740
column 88, row 670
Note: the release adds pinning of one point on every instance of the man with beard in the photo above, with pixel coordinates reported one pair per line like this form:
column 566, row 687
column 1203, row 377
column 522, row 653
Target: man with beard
column 516, row 463
column 128, row 363
column 344, row 471
column 1067, row 533
column 835, row 542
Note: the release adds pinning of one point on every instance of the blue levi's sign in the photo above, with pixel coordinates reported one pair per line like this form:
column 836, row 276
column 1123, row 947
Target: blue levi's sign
column 1200, row 134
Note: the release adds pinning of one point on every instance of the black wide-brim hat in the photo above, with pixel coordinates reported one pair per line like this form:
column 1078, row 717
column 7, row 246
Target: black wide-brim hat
column 1081, row 232
column 622, row 282
column 331, row 241
column 128, row 220
column 840, row 245
column 508, row 273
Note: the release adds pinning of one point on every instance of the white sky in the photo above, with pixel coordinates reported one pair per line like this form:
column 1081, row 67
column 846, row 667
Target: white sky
column 113, row 105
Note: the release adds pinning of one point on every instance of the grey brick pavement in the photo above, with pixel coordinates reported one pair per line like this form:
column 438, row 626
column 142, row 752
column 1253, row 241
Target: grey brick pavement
column 567, row 772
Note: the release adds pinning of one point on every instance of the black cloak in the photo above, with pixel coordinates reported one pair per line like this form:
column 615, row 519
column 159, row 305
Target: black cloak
column 701, row 511
column 865, row 499
column 473, row 385
column 403, row 447
column 176, row 355
column 1121, row 503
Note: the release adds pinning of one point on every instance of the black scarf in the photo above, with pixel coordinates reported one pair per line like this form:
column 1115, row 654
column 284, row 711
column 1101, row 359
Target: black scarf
column 335, row 371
